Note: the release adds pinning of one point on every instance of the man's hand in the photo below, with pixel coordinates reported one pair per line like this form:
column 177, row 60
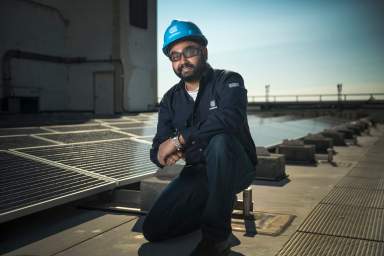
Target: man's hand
column 172, row 159
column 166, row 149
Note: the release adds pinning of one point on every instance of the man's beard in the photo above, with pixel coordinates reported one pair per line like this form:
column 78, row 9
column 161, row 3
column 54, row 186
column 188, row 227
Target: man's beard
column 194, row 74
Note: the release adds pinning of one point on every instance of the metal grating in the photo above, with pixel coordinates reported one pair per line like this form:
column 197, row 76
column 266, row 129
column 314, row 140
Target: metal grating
column 74, row 128
column 28, row 186
column 305, row 244
column 345, row 221
column 21, row 131
column 144, row 131
column 123, row 160
column 361, row 183
column 84, row 136
column 355, row 197
column 21, row 142
column 366, row 172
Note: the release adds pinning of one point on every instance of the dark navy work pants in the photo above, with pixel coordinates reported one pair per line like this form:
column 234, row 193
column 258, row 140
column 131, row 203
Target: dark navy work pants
column 202, row 196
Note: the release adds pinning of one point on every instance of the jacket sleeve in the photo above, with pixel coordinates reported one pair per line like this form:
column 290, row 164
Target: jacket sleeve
column 164, row 128
column 228, row 117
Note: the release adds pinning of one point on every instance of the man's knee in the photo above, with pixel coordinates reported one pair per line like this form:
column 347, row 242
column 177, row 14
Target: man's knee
column 151, row 230
column 221, row 143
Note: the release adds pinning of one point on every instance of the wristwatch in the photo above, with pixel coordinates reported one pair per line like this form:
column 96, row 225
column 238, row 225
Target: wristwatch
column 176, row 141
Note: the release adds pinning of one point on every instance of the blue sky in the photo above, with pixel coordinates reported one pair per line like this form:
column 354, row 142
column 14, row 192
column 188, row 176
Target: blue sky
column 296, row 46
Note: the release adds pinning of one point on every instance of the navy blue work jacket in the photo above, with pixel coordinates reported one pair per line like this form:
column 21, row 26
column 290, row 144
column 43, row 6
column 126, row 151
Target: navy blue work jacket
column 220, row 107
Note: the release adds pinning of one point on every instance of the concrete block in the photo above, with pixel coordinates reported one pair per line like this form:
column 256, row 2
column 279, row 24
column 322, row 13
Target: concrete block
column 338, row 138
column 296, row 152
column 322, row 144
column 348, row 133
column 270, row 167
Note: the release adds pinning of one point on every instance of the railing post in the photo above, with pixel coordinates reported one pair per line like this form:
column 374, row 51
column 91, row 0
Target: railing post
column 297, row 98
column 320, row 98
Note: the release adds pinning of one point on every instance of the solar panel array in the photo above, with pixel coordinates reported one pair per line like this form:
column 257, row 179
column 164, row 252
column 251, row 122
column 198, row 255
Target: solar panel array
column 41, row 167
column 27, row 185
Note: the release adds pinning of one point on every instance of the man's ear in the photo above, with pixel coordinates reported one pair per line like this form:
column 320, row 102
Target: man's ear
column 205, row 53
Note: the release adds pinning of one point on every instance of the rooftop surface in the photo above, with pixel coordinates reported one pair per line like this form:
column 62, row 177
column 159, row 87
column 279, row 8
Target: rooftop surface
column 338, row 211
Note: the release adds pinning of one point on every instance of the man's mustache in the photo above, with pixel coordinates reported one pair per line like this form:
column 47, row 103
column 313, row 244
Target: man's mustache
column 185, row 65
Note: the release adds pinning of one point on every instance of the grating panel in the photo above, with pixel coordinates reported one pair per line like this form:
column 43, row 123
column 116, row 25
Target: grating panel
column 366, row 172
column 355, row 197
column 144, row 131
column 361, row 183
column 73, row 128
column 20, row 131
column 27, row 186
column 21, row 142
column 84, row 136
column 304, row 244
column 122, row 160
column 346, row 221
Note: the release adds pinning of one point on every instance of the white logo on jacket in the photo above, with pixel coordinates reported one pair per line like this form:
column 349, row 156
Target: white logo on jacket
column 232, row 85
column 212, row 104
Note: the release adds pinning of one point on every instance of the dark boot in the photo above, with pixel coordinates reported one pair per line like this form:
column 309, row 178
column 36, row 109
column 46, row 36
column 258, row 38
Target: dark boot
column 208, row 247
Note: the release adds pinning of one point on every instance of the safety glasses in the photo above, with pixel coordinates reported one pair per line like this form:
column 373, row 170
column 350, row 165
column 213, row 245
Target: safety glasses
column 187, row 52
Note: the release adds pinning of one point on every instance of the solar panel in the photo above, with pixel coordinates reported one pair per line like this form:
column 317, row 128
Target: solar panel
column 29, row 186
column 21, row 131
column 128, row 124
column 143, row 131
column 124, row 160
column 73, row 128
column 74, row 137
column 21, row 142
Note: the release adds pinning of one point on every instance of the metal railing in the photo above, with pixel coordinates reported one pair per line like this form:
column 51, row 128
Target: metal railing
column 313, row 97
column 316, row 97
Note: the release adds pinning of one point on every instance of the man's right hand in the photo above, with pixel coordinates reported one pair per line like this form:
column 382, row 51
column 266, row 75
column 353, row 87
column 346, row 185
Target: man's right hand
column 172, row 159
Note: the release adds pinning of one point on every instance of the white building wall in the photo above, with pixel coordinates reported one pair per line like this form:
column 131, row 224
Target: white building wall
column 90, row 32
column 139, row 50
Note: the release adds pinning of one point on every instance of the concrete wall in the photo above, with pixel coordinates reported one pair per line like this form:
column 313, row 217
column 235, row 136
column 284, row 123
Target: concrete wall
column 139, row 49
column 95, row 29
column 31, row 28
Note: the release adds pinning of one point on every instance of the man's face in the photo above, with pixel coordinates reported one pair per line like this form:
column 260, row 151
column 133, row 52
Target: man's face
column 188, row 68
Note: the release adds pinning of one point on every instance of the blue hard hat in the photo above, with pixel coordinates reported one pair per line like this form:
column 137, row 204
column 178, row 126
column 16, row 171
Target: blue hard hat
column 182, row 30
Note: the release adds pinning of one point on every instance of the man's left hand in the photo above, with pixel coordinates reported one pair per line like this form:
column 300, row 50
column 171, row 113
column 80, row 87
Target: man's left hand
column 166, row 149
